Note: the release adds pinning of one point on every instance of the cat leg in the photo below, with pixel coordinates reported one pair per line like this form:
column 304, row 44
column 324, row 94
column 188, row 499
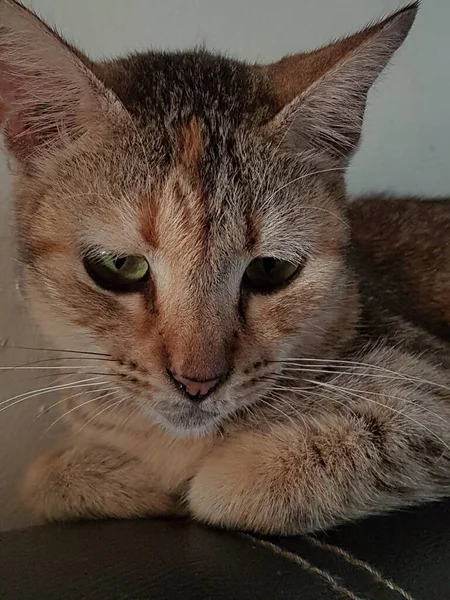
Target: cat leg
column 290, row 479
column 93, row 481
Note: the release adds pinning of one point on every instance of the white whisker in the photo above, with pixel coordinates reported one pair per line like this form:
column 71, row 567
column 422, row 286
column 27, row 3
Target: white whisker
column 31, row 394
column 59, row 350
column 351, row 392
column 321, row 396
column 68, row 412
column 72, row 397
column 109, row 407
column 23, row 368
column 362, row 365
column 336, row 372
column 264, row 401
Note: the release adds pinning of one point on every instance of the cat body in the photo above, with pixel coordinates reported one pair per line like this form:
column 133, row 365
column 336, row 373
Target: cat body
column 259, row 353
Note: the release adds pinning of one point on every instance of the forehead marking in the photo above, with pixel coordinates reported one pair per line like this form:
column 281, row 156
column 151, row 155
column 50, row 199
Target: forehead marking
column 149, row 227
column 191, row 143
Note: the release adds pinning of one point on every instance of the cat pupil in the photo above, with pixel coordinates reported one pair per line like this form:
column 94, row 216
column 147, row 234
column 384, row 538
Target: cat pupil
column 269, row 264
column 119, row 263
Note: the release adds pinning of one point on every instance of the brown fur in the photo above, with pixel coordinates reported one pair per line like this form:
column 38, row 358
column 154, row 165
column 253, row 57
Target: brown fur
column 333, row 395
column 149, row 228
column 191, row 144
column 411, row 263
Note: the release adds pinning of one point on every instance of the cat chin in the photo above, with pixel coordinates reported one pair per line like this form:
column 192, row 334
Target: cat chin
column 187, row 423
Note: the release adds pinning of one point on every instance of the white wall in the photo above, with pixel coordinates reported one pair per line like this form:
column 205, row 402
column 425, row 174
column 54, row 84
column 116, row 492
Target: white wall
column 406, row 146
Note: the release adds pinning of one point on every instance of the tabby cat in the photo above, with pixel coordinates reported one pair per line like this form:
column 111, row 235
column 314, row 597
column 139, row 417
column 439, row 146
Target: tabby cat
column 259, row 353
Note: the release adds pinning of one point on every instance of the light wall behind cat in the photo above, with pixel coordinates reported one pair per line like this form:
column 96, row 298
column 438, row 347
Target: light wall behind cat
column 407, row 133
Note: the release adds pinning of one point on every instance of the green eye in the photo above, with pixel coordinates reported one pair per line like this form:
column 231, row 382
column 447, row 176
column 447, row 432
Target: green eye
column 266, row 275
column 123, row 274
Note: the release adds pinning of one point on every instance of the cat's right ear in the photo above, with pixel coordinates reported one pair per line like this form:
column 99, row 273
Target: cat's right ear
column 49, row 95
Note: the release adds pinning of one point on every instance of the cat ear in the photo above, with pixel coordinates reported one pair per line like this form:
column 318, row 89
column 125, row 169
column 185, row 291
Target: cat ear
column 48, row 93
column 322, row 94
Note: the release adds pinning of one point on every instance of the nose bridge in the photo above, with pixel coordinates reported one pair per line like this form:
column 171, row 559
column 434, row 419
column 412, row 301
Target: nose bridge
column 200, row 340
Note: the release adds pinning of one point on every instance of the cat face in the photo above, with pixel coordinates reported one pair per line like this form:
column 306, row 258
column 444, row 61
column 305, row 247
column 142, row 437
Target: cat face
column 205, row 306
column 184, row 213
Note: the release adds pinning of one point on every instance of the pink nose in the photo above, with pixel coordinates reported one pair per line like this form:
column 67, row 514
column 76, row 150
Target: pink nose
column 194, row 388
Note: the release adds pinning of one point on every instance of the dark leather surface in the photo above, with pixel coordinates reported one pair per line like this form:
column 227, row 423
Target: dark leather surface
column 405, row 555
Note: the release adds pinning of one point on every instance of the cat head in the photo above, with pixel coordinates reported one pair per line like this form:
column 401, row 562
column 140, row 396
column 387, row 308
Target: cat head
column 184, row 213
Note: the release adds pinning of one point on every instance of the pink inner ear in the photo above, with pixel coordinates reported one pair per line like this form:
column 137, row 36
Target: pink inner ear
column 11, row 118
column 27, row 119
column 18, row 140
column 48, row 94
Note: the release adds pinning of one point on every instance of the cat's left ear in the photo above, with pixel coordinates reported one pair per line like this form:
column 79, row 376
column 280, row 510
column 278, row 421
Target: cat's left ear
column 322, row 94
column 48, row 92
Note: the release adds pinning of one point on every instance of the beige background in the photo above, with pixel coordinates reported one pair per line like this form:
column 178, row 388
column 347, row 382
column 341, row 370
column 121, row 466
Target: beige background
column 406, row 146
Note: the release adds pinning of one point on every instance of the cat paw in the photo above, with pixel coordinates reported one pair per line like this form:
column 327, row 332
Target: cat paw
column 286, row 480
column 92, row 482
column 247, row 485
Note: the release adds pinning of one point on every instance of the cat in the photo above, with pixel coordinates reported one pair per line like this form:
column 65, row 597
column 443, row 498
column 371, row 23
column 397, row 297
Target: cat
column 259, row 352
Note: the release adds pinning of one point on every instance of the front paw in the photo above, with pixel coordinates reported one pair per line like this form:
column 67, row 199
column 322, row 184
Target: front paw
column 252, row 483
column 285, row 480
column 92, row 482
